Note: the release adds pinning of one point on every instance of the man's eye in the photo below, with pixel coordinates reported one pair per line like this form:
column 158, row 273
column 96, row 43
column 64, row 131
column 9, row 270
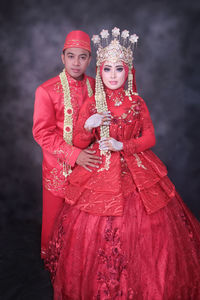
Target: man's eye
column 70, row 56
column 83, row 57
column 120, row 69
column 106, row 69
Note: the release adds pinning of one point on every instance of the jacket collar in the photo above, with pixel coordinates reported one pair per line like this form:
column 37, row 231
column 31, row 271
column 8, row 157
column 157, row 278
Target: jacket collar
column 76, row 83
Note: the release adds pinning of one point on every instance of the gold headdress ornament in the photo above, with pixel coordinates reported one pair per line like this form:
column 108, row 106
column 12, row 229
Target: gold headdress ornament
column 118, row 47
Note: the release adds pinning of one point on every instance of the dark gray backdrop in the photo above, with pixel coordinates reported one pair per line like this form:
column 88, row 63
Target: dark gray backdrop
column 167, row 59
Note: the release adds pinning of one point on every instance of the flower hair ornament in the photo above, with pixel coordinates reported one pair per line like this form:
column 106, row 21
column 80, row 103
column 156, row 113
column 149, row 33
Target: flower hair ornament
column 113, row 48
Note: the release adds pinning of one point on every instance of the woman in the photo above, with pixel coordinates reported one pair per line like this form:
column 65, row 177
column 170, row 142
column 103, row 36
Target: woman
column 124, row 232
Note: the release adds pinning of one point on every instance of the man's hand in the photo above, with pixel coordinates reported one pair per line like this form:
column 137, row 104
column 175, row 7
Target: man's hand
column 87, row 159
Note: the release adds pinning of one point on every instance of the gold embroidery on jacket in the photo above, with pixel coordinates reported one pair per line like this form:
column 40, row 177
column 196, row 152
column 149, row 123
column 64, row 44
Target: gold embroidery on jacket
column 67, row 170
column 58, row 88
column 55, row 182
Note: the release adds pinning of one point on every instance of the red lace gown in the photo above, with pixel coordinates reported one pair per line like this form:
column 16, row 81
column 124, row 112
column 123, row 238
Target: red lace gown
column 124, row 233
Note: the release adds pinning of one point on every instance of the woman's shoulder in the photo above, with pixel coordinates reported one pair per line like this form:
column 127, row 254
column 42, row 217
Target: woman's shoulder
column 140, row 104
column 139, row 100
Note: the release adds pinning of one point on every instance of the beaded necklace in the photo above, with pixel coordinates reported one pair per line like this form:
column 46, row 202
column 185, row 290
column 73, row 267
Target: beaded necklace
column 68, row 114
column 68, row 110
column 101, row 106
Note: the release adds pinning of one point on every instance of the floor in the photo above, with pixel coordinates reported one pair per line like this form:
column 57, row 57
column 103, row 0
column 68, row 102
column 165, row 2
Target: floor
column 22, row 274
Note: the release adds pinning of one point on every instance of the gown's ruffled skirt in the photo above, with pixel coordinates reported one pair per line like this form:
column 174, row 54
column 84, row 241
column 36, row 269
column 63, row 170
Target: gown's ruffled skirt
column 136, row 256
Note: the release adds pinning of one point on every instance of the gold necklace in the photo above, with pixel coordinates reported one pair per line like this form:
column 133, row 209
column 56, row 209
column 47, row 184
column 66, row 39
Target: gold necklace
column 117, row 98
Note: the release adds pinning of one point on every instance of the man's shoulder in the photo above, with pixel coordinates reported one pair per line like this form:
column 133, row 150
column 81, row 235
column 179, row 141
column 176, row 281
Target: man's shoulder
column 50, row 82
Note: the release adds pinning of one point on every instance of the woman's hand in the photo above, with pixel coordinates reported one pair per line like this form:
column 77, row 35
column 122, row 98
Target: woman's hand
column 97, row 120
column 110, row 144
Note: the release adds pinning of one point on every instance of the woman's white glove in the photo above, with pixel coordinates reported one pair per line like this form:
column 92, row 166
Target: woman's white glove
column 110, row 144
column 97, row 120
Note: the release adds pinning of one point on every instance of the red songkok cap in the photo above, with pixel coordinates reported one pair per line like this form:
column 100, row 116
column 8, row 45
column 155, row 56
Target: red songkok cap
column 77, row 39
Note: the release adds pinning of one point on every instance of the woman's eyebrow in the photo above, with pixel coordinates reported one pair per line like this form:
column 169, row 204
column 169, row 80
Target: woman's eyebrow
column 108, row 66
column 119, row 66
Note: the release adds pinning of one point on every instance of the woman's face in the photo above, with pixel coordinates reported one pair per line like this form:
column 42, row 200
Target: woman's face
column 113, row 74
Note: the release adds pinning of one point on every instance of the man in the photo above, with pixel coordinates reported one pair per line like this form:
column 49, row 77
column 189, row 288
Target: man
column 57, row 104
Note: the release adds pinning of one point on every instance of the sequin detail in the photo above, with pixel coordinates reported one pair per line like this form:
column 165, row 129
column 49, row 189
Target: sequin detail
column 139, row 162
column 113, row 264
column 54, row 248
column 55, row 182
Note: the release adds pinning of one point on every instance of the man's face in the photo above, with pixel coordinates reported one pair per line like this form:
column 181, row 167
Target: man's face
column 76, row 61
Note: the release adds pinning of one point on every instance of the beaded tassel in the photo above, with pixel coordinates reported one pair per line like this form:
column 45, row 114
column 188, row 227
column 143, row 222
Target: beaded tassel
column 130, row 92
column 101, row 106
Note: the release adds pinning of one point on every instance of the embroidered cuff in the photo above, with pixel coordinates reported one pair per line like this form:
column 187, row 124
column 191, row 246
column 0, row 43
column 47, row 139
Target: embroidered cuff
column 129, row 147
column 73, row 157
